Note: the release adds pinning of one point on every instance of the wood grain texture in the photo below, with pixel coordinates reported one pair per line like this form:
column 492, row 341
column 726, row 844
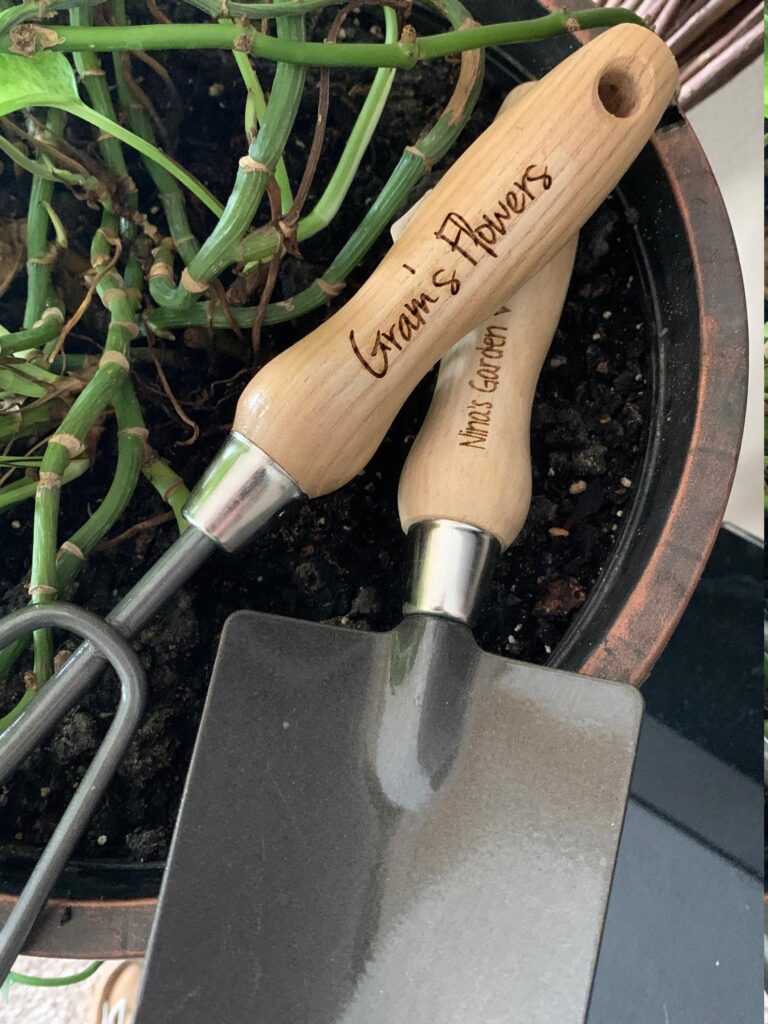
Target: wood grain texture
column 509, row 203
column 471, row 460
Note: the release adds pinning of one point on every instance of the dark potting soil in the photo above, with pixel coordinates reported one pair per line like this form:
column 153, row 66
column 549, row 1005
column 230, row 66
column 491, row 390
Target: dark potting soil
column 338, row 559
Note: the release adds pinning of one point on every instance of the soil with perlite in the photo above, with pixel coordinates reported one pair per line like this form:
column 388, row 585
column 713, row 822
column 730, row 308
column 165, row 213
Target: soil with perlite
column 341, row 558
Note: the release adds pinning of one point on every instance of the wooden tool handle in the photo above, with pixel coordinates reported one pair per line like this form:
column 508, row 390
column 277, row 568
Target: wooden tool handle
column 509, row 203
column 471, row 461
column 458, row 467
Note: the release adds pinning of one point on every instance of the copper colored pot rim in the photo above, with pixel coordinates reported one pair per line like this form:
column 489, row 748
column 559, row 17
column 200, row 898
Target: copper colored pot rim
column 644, row 625
column 632, row 611
column 641, row 625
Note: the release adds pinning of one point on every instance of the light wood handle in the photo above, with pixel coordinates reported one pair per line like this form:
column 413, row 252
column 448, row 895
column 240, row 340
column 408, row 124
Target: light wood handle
column 471, row 460
column 511, row 201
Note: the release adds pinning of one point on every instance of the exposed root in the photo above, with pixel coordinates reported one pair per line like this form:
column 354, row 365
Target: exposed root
column 168, row 391
column 148, row 524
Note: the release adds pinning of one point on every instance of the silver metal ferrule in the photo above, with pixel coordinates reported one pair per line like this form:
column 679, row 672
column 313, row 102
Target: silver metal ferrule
column 451, row 564
column 239, row 493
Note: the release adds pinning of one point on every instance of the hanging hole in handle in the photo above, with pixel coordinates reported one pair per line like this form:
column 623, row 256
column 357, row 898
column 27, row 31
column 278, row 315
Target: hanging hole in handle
column 618, row 92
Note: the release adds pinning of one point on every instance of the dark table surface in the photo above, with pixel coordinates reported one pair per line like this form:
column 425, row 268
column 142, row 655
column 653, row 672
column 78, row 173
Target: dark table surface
column 682, row 942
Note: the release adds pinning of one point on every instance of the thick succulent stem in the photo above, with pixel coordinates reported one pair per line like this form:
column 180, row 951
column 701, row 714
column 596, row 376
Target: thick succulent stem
column 253, row 173
column 289, row 50
column 40, row 256
column 67, row 442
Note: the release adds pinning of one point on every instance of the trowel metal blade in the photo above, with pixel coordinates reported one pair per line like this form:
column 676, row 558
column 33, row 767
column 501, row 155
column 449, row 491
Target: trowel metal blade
column 390, row 829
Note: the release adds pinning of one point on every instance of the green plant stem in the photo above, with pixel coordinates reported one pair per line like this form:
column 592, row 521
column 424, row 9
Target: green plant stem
column 22, row 490
column 130, row 456
column 406, row 175
column 39, row 335
column 87, row 407
column 168, row 189
column 92, row 75
column 266, row 10
column 255, row 112
column 38, row 254
column 31, row 421
column 93, row 78
column 261, row 244
column 169, row 192
column 144, row 354
column 358, row 55
column 8, row 658
column 161, row 288
column 169, row 486
column 68, row 979
column 250, row 184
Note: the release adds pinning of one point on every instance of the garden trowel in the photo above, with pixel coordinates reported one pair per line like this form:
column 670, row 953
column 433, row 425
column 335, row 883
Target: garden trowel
column 400, row 828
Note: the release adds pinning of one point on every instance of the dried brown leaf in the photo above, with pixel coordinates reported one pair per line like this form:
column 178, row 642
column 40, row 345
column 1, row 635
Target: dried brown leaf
column 27, row 39
column 562, row 597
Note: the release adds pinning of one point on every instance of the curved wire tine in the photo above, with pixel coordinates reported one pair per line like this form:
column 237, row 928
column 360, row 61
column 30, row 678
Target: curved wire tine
column 53, row 700
column 43, row 715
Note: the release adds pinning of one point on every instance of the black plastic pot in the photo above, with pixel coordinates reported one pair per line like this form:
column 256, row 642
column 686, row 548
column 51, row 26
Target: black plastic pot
column 687, row 267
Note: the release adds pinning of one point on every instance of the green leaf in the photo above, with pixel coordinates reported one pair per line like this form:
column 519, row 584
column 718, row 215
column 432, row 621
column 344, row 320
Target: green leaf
column 45, row 80
column 48, row 80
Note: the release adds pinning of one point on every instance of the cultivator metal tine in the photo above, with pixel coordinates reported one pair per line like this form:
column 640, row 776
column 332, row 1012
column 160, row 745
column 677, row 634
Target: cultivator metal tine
column 54, row 700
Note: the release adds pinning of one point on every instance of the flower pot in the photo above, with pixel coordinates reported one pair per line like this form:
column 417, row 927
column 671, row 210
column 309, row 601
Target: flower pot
column 687, row 269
